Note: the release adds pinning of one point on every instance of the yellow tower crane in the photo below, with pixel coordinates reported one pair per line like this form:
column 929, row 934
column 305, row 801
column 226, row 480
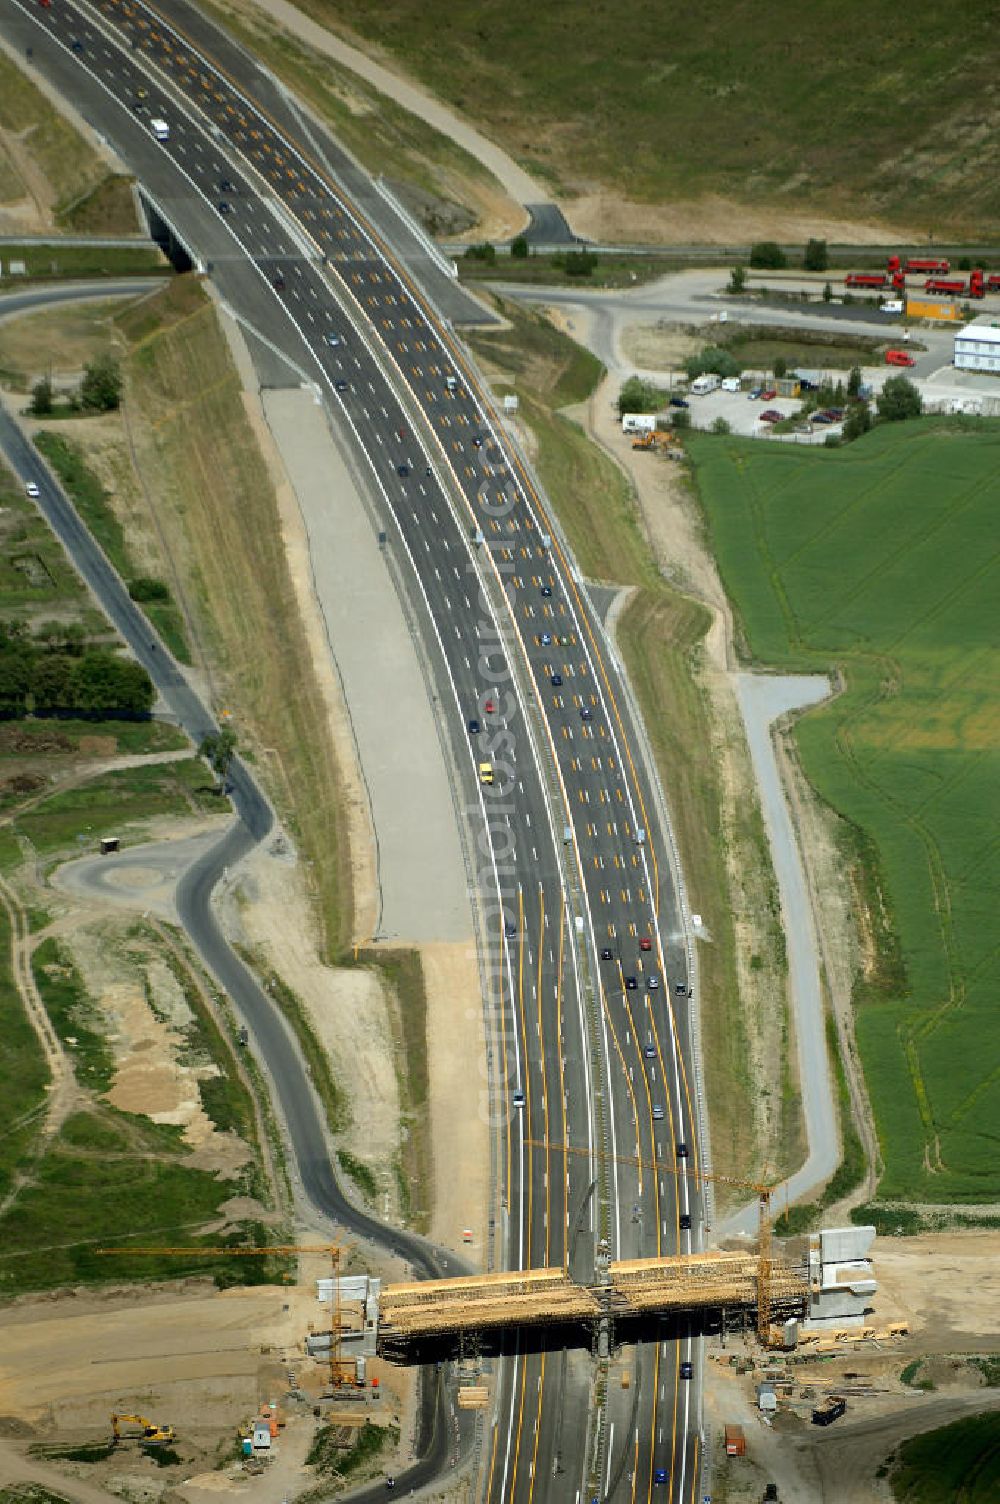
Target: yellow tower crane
column 764, row 1193
column 341, row 1369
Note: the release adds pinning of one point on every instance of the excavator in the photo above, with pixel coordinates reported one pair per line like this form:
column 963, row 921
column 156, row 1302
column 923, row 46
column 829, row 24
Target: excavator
column 660, row 439
column 152, row 1435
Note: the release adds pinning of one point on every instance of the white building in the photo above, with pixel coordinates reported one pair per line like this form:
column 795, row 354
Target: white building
column 977, row 346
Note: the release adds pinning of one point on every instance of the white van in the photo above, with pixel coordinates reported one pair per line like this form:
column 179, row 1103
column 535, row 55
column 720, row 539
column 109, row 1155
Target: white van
column 731, row 384
column 160, row 129
column 638, row 422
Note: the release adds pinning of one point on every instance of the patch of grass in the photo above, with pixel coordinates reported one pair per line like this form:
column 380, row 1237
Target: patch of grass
column 91, row 501
column 407, row 1001
column 759, row 354
column 190, row 422
column 989, row 1366
column 870, row 561
column 35, row 739
column 58, row 262
column 64, row 158
column 549, row 270
column 73, row 1016
column 660, row 633
column 332, row 1460
column 853, row 1164
column 23, row 1072
column 108, row 209
column 960, row 1462
column 30, row 1493
column 713, row 104
column 118, row 802
column 362, row 1175
column 34, row 572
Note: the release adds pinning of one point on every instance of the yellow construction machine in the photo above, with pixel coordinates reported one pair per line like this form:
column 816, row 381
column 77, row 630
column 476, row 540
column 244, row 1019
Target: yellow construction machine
column 658, row 439
column 149, row 1433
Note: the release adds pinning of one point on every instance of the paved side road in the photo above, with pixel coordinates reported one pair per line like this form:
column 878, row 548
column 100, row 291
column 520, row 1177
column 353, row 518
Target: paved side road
column 273, row 1039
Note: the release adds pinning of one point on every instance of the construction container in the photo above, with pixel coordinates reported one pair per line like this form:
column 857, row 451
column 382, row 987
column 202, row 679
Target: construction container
column 736, row 1442
column 921, row 308
column 108, row 845
column 359, row 1372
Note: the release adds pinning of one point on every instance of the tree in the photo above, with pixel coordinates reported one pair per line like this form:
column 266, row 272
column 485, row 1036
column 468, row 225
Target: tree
column 816, row 258
column 768, row 253
column 145, row 588
column 721, row 426
column 680, row 417
column 519, row 248
column 827, row 293
column 483, row 252
column 899, row 400
column 41, row 398
column 857, row 422
column 53, row 684
column 637, row 396
column 712, row 360
column 854, row 383
column 737, row 280
column 219, row 747
column 780, row 366
column 101, row 387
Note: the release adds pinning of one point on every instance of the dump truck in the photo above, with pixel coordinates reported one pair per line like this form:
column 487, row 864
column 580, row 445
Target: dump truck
column 875, row 280
column 923, row 266
column 957, row 287
column 830, row 1410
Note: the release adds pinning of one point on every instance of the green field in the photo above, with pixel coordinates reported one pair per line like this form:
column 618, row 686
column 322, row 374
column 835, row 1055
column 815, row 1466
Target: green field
column 958, row 1464
column 662, row 105
column 880, row 561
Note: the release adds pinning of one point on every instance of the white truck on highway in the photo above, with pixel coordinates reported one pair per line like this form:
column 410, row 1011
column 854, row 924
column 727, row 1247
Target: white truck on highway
column 160, row 129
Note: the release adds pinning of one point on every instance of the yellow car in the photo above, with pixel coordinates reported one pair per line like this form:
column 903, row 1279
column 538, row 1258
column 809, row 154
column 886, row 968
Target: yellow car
column 486, row 772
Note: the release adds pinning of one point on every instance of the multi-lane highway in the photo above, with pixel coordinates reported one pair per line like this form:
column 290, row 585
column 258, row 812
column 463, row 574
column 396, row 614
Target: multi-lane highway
column 588, row 1016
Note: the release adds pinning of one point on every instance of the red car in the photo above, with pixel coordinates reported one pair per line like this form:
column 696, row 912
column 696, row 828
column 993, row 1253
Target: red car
column 771, row 416
column 490, row 707
column 899, row 358
column 645, row 943
column 769, row 395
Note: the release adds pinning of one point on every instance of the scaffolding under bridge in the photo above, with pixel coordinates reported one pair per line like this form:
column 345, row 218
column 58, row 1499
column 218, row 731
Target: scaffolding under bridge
column 629, row 1290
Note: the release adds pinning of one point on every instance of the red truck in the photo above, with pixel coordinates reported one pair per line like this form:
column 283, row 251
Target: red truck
column 920, row 265
column 875, row 279
column 956, row 287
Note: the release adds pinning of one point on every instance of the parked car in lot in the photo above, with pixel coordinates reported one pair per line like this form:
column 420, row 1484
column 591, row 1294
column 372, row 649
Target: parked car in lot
column 756, row 394
column 768, row 394
column 772, row 415
column 679, row 402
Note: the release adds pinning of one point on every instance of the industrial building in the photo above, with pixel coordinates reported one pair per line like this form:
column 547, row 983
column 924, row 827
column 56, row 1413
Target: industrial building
column 977, row 346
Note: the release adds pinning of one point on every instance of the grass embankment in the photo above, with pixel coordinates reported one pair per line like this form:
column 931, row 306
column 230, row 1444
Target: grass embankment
column 450, row 186
column 55, row 341
column 714, row 103
column 550, row 270
column 957, row 1464
column 57, row 263
column 92, row 503
column 44, row 158
column 215, row 501
column 874, row 561
column 660, row 634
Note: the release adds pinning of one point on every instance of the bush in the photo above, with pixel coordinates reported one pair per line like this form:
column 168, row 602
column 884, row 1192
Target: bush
column 857, row 422
column 816, row 258
column 680, row 417
column 482, row 252
column 737, row 280
column 41, row 398
column 768, row 254
column 146, row 589
column 579, row 263
column 899, row 400
column 827, row 293
column 101, row 387
column 854, row 382
column 519, row 248
column 722, row 426
column 780, row 366
column 712, row 360
column 638, row 396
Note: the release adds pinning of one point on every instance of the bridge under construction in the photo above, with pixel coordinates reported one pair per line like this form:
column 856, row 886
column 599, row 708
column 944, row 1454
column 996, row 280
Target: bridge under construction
column 411, row 1314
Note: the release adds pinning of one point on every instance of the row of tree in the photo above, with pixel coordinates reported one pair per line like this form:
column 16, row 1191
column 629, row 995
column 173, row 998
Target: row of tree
column 100, row 390
column 72, row 679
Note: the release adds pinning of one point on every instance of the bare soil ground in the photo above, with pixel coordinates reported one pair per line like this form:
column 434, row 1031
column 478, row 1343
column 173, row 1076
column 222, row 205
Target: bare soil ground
column 712, row 220
column 653, row 347
column 56, row 342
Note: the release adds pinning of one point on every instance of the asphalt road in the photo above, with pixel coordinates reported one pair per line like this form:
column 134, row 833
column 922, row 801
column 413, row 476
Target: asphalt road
column 588, row 1051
